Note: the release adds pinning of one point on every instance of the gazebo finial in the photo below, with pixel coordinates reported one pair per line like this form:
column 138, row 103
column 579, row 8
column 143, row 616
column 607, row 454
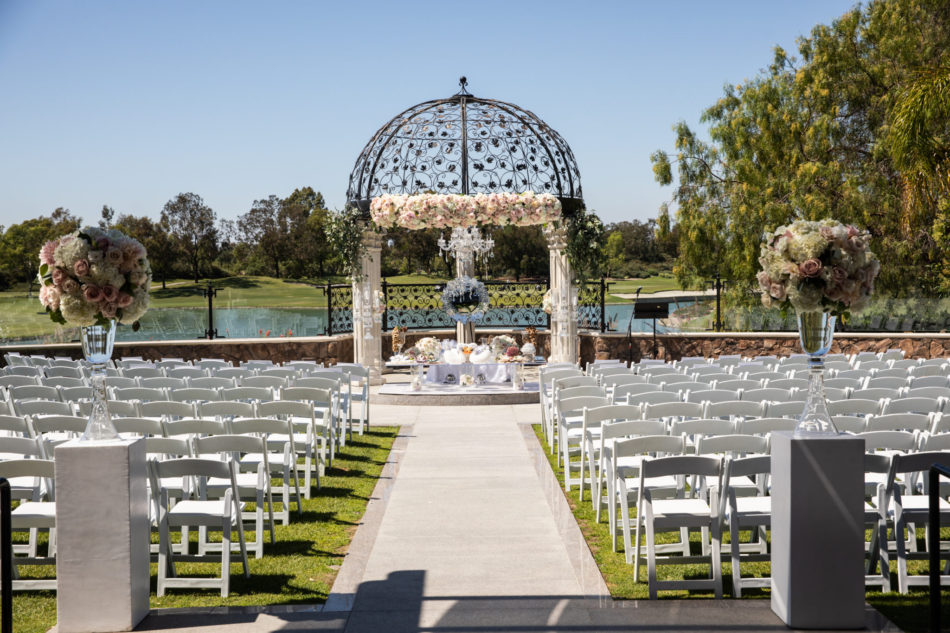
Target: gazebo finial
column 463, row 81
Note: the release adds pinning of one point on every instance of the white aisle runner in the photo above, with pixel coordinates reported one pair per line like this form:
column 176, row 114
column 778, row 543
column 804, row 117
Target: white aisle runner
column 468, row 524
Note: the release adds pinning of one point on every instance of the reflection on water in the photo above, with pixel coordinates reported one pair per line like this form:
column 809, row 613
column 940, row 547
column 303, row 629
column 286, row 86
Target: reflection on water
column 192, row 323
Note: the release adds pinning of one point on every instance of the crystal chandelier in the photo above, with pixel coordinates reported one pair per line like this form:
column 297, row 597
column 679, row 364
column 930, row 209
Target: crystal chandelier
column 467, row 243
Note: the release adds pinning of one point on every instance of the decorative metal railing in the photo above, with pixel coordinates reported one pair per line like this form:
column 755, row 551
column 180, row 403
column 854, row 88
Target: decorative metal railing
column 512, row 305
column 339, row 308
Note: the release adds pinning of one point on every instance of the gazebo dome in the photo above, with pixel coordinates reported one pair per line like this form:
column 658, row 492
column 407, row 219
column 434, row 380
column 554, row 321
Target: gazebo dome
column 465, row 145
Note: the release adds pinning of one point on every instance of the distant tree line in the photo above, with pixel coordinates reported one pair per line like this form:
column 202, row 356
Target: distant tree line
column 287, row 238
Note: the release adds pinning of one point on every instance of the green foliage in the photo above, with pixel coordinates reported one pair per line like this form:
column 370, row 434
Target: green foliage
column 20, row 244
column 192, row 224
column 520, row 251
column 808, row 139
column 345, row 235
column 586, row 239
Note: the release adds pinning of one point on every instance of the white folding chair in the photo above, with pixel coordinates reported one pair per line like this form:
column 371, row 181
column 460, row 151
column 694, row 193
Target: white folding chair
column 280, row 459
column 223, row 514
column 625, row 458
column 911, row 509
column 33, row 514
column 251, row 486
column 664, row 515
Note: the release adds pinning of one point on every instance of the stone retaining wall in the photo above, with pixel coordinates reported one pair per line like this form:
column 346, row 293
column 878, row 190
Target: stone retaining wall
column 339, row 348
column 325, row 349
column 676, row 346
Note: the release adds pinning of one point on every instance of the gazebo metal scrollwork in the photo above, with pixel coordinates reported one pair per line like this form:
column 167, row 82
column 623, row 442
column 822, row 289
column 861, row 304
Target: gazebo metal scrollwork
column 465, row 145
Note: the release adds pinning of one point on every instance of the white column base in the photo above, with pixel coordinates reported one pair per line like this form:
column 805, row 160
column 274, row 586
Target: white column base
column 102, row 530
column 818, row 531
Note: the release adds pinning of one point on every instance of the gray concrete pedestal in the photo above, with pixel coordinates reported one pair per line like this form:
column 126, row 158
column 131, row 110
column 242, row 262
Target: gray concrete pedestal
column 818, row 531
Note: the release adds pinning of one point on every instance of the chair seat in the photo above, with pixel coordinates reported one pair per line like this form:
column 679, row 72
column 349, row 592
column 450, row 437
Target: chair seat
column 251, row 460
column 192, row 512
column 680, row 512
column 752, row 508
column 666, row 482
column 34, row 514
column 246, row 483
column 919, row 505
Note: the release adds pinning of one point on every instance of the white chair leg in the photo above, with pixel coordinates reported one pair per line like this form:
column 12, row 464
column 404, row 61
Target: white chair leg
column 716, row 562
column 226, row 553
column 734, row 550
column 902, row 584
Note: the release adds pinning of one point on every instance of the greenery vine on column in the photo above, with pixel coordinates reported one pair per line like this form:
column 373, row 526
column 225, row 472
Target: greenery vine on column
column 585, row 245
column 345, row 233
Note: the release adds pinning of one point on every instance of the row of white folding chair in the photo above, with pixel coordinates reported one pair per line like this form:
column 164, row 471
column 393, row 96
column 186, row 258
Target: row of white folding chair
column 547, row 376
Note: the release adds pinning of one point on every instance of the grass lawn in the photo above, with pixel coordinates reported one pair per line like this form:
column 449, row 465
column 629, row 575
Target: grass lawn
column 909, row 612
column 298, row 569
column 650, row 285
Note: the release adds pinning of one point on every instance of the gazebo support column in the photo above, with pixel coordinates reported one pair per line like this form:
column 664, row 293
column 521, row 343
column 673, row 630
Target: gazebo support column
column 465, row 267
column 563, row 299
column 367, row 326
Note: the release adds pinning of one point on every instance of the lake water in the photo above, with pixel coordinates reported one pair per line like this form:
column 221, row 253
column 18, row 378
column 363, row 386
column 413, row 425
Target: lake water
column 189, row 323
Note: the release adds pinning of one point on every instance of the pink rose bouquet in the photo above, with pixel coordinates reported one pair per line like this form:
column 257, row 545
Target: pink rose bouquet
column 821, row 266
column 91, row 276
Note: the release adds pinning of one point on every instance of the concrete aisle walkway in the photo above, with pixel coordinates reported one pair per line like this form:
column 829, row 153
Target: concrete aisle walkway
column 468, row 530
column 468, row 524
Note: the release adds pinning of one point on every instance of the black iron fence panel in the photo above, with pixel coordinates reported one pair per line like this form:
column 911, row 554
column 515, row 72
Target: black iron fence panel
column 339, row 308
column 414, row 306
column 419, row 306
column 516, row 304
column 591, row 299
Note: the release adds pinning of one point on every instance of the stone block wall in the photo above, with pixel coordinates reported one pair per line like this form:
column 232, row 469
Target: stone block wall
column 711, row 344
column 325, row 349
column 591, row 346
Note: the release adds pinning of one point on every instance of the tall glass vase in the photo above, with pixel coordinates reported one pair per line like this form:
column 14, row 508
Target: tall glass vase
column 816, row 330
column 97, row 344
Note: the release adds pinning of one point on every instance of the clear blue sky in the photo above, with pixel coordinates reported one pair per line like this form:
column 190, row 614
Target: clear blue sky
column 128, row 103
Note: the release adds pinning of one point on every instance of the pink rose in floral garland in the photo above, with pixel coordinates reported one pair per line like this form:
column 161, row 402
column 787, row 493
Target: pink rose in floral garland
column 81, row 268
column 838, row 274
column 764, row 280
column 108, row 309
column 123, row 300
column 810, row 268
column 109, row 293
column 59, row 276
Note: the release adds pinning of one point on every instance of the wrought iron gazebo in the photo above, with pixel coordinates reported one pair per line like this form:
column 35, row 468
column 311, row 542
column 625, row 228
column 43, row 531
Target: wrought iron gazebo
column 465, row 145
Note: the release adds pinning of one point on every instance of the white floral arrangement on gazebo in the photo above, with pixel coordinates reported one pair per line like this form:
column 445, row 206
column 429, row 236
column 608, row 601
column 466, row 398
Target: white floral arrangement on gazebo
column 433, row 210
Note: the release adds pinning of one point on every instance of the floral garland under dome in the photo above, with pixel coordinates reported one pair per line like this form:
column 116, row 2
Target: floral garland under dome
column 444, row 211
column 465, row 299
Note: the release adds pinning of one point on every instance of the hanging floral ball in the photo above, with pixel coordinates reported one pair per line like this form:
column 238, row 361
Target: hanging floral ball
column 465, row 299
